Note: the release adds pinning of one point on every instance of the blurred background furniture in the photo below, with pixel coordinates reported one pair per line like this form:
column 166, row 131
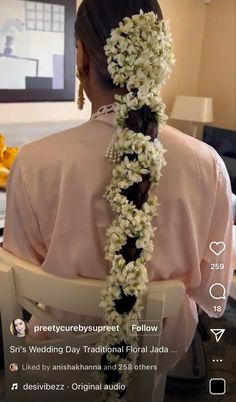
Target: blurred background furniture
column 194, row 109
column 224, row 142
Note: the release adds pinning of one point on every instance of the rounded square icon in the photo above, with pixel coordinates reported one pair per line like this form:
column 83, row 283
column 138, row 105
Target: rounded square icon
column 217, row 386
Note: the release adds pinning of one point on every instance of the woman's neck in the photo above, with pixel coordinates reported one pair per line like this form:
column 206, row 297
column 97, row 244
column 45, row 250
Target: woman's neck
column 100, row 97
column 102, row 102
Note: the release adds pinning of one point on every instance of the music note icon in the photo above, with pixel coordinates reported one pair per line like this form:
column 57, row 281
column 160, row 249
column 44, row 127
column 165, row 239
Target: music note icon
column 14, row 386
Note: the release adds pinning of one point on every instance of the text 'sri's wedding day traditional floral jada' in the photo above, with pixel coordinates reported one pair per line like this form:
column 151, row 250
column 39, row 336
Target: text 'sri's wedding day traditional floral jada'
column 140, row 56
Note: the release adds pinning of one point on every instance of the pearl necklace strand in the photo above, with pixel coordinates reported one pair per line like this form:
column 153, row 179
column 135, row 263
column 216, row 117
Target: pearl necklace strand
column 112, row 154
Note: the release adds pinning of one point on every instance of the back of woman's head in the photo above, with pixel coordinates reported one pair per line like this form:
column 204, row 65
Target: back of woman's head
column 94, row 22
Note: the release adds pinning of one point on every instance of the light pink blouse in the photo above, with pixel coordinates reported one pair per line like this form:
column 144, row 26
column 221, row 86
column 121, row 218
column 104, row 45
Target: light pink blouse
column 57, row 216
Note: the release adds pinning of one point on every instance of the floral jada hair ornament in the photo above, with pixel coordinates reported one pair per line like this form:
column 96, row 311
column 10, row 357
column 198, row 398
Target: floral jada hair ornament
column 139, row 54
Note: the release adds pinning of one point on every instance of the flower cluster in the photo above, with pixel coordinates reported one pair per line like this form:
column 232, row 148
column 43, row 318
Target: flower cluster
column 139, row 54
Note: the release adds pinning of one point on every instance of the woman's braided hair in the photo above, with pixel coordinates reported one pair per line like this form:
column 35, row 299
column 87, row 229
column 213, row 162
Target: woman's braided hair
column 140, row 115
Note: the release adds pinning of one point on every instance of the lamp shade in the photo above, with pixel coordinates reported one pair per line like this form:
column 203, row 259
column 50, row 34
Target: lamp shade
column 193, row 108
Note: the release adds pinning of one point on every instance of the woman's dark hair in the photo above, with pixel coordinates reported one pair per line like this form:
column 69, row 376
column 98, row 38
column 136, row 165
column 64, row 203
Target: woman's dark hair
column 15, row 332
column 94, row 23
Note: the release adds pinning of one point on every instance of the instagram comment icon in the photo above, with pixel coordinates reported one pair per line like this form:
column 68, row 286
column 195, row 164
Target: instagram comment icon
column 217, row 291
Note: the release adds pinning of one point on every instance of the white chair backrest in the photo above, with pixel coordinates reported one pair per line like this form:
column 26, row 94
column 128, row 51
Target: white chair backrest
column 24, row 285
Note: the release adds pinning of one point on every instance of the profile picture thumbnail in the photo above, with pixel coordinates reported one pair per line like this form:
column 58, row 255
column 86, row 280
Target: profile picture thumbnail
column 19, row 328
column 13, row 367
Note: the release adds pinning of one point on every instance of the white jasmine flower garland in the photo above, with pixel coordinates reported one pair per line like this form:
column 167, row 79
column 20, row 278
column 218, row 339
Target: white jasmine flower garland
column 140, row 56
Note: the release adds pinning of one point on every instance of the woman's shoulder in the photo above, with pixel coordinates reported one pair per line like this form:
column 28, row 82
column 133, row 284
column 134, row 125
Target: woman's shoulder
column 175, row 138
column 66, row 137
column 55, row 148
column 58, row 139
column 185, row 148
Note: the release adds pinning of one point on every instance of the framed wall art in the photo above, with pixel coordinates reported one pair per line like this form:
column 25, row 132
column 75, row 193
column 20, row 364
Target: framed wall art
column 37, row 51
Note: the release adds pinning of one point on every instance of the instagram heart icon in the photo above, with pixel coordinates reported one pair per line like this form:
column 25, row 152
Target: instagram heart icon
column 217, row 247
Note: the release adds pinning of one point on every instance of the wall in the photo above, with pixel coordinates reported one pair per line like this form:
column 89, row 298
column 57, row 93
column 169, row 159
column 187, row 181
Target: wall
column 217, row 76
column 187, row 19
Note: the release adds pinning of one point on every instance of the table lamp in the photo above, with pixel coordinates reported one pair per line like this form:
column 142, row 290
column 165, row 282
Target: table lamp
column 194, row 109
